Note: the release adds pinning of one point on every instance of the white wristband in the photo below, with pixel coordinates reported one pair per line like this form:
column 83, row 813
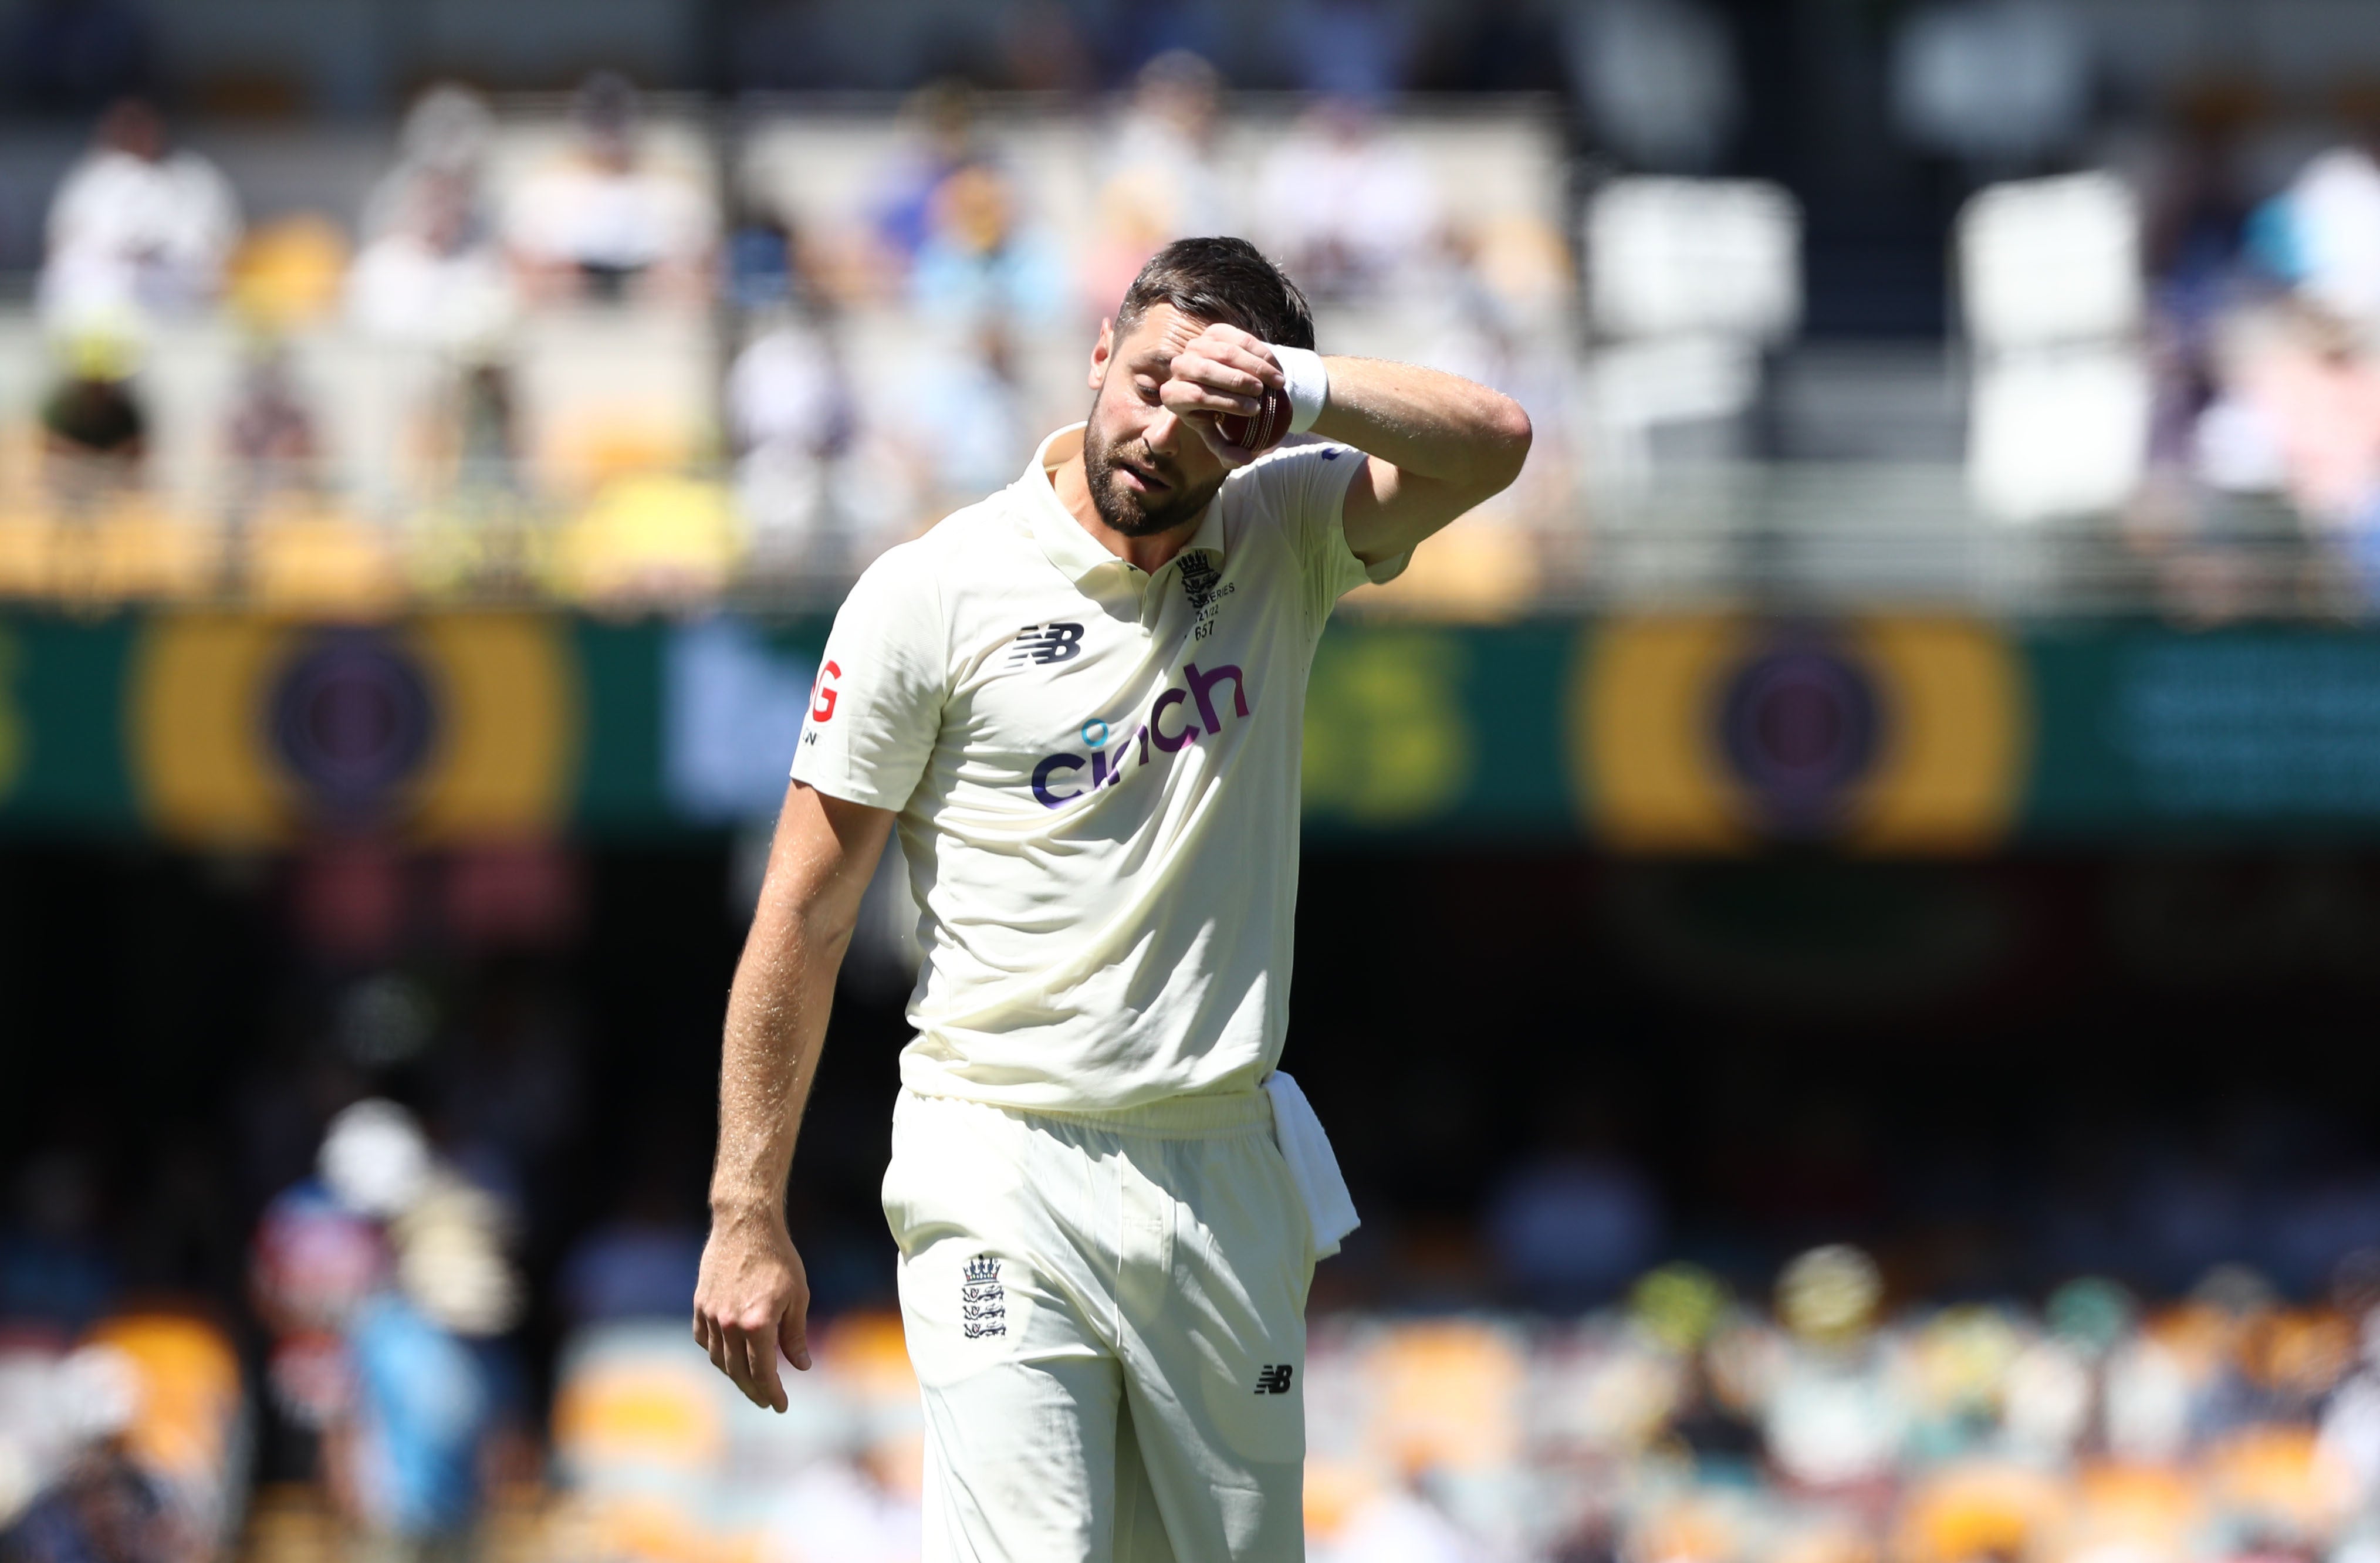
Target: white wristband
column 1308, row 382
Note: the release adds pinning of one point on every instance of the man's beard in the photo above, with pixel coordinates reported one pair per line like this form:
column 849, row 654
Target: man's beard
column 1130, row 512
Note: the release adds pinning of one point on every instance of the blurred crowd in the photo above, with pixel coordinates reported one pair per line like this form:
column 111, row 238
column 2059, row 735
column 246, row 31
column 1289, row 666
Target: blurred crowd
column 647, row 347
column 458, row 1329
column 1828, row 1420
column 1685, row 1424
column 2264, row 332
column 605, row 355
column 1681, row 1425
column 615, row 353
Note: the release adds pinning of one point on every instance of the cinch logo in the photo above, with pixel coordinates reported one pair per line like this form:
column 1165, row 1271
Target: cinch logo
column 1045, row 644
column 1199, row 693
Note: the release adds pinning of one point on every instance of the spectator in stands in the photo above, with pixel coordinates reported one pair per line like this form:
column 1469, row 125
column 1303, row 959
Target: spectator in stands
column 446, row 137
column 604, row 225
column 1347, row 211
column 104, row 1508
column 2322, row 235
column 433, row 279
column 2351, row 1421
column 138, row 226
column 425, row 1405
column 763, row 261
column 844, row 1510
column 52, row 1268
column 793, row 415
column 430, row 273
column 2295, row 406
column 269, row 431
column 1159, row 181
column 979, row 259
column 2301, row 413
column 1576, row 1222
column 1833, row 1409
column 94, row 432
column 414, row 1382
column 946, row 142
column 971, row 422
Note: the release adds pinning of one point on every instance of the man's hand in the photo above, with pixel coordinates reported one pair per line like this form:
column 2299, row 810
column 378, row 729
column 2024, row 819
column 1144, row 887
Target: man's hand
column 753, row 1299
column 1217, row 370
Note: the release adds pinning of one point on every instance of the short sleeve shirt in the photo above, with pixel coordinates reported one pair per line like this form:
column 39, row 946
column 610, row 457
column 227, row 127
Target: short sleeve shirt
column 1095, row 774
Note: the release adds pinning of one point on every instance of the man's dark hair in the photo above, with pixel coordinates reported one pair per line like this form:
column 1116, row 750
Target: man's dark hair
column 1221, row 282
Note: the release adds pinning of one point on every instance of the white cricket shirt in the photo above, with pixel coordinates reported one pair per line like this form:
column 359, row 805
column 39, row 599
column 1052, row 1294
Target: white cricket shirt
column 1095, row 771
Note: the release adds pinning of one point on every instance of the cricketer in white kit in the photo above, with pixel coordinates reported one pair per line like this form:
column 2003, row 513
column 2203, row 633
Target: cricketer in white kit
column 1080, row 702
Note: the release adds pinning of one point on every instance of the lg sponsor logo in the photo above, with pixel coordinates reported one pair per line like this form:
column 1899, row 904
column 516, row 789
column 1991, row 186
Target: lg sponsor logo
column 1198, row 693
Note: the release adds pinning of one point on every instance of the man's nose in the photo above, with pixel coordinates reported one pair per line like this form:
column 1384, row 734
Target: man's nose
column 1163, row 430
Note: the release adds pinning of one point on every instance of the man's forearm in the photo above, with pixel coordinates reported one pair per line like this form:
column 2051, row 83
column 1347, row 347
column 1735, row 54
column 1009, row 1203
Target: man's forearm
column 776, row 1027
column 1427, row 423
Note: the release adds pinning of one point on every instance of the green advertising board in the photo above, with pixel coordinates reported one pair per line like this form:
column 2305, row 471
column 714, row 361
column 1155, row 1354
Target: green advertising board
column 1886, row 734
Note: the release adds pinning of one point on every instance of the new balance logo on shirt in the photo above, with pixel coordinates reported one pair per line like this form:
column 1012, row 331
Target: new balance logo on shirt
column 1273, row 1378
column 1045, row 644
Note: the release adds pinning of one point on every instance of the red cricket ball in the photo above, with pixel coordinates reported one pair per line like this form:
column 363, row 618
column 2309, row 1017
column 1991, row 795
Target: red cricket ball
column 1261, row 431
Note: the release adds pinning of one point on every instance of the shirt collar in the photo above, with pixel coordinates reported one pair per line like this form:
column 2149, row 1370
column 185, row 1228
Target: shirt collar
column 1072, row 549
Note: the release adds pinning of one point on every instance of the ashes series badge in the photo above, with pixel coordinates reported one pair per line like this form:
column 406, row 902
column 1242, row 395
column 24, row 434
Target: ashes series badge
column 983, row 1302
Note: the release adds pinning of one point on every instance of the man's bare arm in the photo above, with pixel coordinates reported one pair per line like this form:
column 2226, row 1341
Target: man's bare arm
column 753, row 1299
column 1439, row 443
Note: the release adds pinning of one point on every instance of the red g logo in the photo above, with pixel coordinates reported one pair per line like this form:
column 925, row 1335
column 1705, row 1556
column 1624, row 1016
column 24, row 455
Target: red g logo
column 823, row 696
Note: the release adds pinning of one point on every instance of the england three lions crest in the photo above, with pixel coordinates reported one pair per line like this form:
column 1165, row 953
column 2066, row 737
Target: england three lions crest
column 983, row 1302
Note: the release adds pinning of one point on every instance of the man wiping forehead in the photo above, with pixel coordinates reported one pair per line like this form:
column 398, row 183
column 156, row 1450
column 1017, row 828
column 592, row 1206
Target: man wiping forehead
column 1080, row 702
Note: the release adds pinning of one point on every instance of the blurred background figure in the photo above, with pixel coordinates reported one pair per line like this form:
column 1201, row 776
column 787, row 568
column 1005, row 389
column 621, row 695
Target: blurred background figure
column 105, row 1503
column 434, row 276
column 795, row 414
column 387, row 1278
column 270, row 431
column 1577, row 1223
column 446, row 138
column 980, row 258
column 94, row 431
column 1833, row 1415
column 1349, row 213
column 601, row 223
column 943, row 142
column 54, row 1270
column 137, row 226
column 1160, row 177
column 972, row 419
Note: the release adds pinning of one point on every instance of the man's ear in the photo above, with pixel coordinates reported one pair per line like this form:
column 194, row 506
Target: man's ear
column 1102, row 351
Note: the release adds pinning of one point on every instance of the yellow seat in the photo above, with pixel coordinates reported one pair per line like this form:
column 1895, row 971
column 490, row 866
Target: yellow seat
column 653, row 537
column 316, row 559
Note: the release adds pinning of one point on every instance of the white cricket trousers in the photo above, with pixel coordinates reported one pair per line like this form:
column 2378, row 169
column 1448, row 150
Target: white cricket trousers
column 1107, row 1315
